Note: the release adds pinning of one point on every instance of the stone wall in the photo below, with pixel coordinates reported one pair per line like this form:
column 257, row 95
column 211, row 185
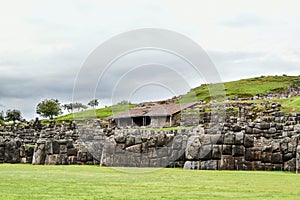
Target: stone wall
column 266, row 143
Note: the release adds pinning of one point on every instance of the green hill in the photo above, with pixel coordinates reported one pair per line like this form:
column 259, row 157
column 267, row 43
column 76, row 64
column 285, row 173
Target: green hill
column 242, row 88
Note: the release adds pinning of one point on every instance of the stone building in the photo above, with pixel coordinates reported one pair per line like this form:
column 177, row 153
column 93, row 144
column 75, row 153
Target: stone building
column 152, row 115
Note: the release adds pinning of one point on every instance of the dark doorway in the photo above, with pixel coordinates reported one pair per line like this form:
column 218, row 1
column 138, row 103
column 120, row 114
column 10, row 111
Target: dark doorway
column 142, row 121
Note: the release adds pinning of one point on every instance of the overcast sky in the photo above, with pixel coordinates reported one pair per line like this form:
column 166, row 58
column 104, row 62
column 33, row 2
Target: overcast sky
column 43, row 44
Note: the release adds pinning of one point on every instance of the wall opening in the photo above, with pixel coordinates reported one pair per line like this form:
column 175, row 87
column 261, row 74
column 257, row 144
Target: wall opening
column 142, row 121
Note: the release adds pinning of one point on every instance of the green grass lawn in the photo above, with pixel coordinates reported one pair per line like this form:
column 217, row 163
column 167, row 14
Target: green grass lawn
column 19, row 181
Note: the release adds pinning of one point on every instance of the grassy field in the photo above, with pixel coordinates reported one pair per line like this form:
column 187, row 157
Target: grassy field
column 93, row 182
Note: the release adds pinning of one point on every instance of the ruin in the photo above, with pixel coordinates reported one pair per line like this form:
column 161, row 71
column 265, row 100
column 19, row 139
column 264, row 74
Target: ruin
column 238, row 140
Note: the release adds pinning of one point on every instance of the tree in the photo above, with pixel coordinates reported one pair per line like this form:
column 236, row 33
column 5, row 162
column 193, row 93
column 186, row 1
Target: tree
column 13, row 115
column 79, row 106
column 1, row 116
column 49, row 108
column 124, row 102
column 93, row 103
column 69, row 107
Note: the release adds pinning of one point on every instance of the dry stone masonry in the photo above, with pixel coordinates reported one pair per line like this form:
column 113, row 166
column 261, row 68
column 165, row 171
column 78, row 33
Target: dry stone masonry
column 241, row 142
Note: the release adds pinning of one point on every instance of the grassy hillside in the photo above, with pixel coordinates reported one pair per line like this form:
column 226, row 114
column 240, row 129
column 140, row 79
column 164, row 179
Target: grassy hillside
column 96, row 113
column 244, row 88
column 19, row 181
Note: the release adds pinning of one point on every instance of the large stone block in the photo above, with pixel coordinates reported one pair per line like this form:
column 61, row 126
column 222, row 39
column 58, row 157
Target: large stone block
column 63, row 149
column 268, row 166
column 161, row 139
column 205, row 152
column 63, row 159
column 284, row 147
column 193, row 148
column 55, row 147
column 226, row 162
column 82, row 156
column 173, row 154
column 229, row 139
column 238, row 150
column 277, row 158
column 144, row 161
column 209, row 165
column 162, row 152
column 130, row 140
column 177, row 142
column 73, row 160
column 248, row 141
column 290, row 165
column 72, row 152
column 226, row 149
column 39, row 154
column 135, row 148
column 48, row 148
column 205, row 139
column 2, row 152
column 278, row 167
column 253, row 154
column 191, row 165
column 216, row 152
column 240, row 163
column 154, row 162
column 52, row 159
column 266, row 157
column 257, row 165
column 248, row 130
column 287, row 157
column 120, row 138
column 152, row 153
column 217, row 139
column 12, row 151
column 239, row 138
